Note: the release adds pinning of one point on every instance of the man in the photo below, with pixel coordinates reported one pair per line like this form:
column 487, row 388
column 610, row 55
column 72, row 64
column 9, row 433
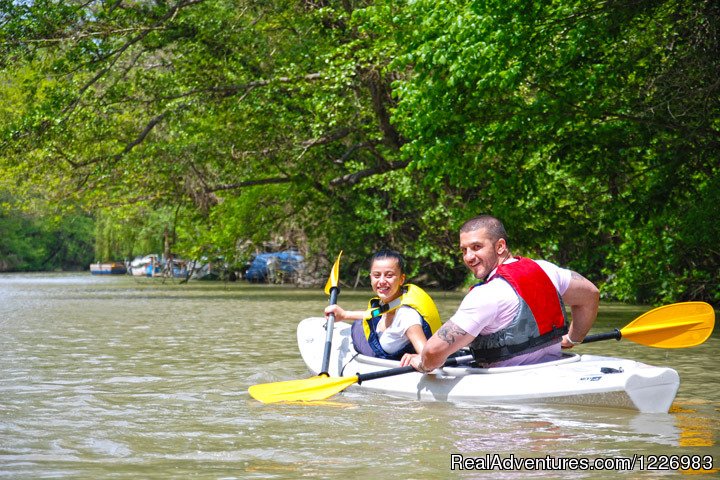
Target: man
column 517, row 315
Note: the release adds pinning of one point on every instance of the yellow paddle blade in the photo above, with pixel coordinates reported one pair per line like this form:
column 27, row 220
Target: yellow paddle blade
column 334, row 275
column 305, row 390
column 678, row 325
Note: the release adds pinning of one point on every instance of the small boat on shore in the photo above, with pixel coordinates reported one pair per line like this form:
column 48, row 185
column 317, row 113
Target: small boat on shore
column 157, row 266
column 590, row 380
column 147, row 266
column 109, row 268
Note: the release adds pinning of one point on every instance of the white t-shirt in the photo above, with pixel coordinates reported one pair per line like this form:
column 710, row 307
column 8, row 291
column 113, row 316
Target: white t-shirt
column 491, row 306
column 393, row 338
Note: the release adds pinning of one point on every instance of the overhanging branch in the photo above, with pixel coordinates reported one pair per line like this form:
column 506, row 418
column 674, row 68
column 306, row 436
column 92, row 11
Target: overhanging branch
column 251, row 183
column 245, row 88
column 114, row 56
column 137, row 141
column 353, row 178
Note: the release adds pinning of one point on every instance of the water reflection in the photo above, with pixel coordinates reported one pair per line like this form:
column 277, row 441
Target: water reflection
column 547, row 428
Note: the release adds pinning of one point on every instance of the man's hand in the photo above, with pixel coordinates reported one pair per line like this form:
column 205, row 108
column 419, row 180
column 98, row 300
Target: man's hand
column 414, row 360
column 567, row 343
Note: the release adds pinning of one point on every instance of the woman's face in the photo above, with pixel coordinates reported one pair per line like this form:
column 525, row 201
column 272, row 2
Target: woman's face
column 386, row 279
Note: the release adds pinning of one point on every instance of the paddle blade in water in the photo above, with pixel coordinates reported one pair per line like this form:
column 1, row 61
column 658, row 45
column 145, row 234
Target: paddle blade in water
column 305, row 390
column 679, row 325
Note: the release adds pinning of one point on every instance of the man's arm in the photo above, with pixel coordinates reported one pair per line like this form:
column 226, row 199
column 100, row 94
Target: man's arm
column 583, row 298
column 447, row 340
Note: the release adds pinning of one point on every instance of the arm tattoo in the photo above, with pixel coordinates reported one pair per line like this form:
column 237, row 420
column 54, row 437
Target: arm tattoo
column 449, row 332
column 576, row 276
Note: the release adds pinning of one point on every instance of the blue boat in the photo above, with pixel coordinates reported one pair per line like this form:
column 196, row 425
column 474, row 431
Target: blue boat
column 277, row 267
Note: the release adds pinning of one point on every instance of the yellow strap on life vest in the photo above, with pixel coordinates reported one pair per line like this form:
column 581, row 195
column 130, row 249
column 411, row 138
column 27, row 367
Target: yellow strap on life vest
column 414, row 297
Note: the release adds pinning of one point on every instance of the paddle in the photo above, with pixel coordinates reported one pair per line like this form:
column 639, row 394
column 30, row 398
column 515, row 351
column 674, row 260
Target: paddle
column 332, row 289
column 320, row 387
column 678, row 325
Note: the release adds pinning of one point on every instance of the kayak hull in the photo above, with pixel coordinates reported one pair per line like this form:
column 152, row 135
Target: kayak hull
column 576, row 379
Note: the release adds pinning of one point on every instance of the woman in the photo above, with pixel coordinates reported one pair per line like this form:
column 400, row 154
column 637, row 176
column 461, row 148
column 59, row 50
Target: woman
column 398, row 320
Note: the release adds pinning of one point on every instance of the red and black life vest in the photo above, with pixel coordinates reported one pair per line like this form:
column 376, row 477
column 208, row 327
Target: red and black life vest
column 540, row 321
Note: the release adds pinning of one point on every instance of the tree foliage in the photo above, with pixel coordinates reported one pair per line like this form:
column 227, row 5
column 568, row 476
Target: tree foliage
column 590, row 128
column 600, row 118
column 32, row 242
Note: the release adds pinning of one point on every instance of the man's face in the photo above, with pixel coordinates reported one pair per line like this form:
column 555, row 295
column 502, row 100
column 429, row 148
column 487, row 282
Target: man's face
column 480, row 253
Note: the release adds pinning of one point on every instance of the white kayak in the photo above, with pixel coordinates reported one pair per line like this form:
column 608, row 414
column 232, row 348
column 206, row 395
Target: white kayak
column 574, row 379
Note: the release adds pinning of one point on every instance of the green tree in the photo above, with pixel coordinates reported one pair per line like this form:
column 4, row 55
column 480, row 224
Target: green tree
column 583, row 125
column 590, row 128
column 31, row 241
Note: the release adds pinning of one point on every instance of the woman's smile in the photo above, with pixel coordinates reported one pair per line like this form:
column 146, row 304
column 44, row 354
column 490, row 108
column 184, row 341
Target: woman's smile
column 386, row 279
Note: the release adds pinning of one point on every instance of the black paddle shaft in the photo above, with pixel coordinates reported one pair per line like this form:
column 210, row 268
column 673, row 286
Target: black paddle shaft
column 615, row 334
column 329, row 327
column 451, row 362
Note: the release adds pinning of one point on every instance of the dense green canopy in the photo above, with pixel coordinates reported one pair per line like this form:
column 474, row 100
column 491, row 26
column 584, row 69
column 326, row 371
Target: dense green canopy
column 590, row 128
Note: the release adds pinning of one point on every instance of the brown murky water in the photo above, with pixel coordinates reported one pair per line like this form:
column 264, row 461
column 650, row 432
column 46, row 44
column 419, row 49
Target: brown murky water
column 111, row 377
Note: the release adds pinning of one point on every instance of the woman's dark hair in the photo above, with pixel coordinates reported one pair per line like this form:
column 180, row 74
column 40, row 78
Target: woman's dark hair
column 386, row 253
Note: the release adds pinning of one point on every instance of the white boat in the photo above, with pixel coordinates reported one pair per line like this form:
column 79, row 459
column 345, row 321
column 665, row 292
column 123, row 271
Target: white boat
column 108, row 268
column 147, row 266
column 575, row 379
column 157, row 266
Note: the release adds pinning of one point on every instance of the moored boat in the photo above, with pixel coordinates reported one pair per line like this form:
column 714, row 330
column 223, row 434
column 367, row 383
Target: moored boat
column 575, row 379
column 158, row 266
column 109, row 268
column 147, row 266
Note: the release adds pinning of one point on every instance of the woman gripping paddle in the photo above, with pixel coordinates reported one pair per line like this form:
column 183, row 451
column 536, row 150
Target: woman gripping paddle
column 398, row 320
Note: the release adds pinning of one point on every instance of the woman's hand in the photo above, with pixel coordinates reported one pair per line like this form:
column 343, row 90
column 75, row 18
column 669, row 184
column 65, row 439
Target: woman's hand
column 407, row 359
column 337, row 311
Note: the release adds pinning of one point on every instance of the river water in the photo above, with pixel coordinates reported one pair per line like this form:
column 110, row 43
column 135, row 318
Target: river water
column 115, row 377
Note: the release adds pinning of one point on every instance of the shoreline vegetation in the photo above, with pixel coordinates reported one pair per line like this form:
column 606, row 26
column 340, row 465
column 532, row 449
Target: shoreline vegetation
column 220, row 130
